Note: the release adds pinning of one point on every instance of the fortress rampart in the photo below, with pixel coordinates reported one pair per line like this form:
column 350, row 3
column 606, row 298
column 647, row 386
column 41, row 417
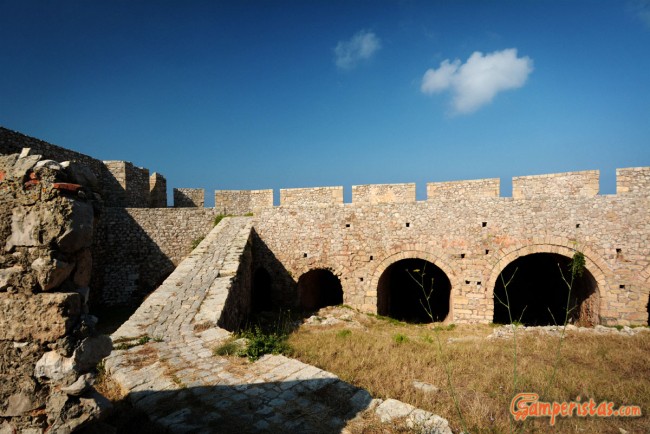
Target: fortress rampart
column 465, row 231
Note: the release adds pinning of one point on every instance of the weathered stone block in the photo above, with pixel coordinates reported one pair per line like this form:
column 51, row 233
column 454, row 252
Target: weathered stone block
column 41, row 317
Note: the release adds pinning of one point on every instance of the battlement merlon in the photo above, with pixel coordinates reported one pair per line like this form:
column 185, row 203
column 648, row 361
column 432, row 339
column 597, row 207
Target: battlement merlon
column 470, row 189
column 383, row 193
column 569, row 184
column 157, row 191
column 317, row 196
column 633, row 180
column 189, row 198
column 242, row 202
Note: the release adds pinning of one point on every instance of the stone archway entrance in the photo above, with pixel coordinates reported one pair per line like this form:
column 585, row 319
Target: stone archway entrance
column 401, row 291
column 261, row 295
column 319, row 288
column 539, row 295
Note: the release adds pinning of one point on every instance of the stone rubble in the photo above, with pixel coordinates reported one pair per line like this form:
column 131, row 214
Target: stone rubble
column 506, row 331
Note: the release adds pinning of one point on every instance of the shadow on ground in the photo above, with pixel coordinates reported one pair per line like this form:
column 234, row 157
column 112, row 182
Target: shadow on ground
column 322, row 406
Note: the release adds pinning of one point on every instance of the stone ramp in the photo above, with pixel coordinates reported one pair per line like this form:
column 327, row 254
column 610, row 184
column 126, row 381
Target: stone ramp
column 170, row 372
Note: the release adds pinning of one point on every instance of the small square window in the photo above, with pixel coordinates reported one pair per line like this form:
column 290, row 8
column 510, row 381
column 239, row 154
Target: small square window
column 462, row 256
column 484, row 224
column 408, row 225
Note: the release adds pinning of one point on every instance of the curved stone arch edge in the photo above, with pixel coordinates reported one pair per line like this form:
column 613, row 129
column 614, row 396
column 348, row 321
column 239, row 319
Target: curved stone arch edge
column 394, row 256
column 596, row 267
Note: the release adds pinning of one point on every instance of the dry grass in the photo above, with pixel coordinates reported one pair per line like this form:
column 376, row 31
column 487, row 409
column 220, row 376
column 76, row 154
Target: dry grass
column 611, row 368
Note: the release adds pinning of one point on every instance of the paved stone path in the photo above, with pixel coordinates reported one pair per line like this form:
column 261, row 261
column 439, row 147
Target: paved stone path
column 170, row 372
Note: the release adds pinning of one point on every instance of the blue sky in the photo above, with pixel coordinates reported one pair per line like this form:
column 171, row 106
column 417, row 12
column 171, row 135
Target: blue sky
column 280, row 94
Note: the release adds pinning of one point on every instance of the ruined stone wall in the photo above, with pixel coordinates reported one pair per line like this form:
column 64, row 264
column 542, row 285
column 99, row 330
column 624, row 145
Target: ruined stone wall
column 136, row 248
column 472, row 241
column 242, row 202
column 383, row 193
column 48, row 344
column 157, row 191
column 189, row 197
column 311, row 196
column 472, row 189
column 12, row 142
column 121, row 183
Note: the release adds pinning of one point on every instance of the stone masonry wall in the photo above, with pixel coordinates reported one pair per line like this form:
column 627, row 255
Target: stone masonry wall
column 130, row 187
column 311, row 196
column 189, row 197
column 242, row 202
column 472, row 189
column 472, row 241
column 383, row 193
column 136, row 248
column 633, row 180
column 584, row 183
column 157, row 191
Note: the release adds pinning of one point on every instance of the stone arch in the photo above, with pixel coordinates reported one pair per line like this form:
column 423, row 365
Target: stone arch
column 593, row 265
column 318, row 288
column 436, row 260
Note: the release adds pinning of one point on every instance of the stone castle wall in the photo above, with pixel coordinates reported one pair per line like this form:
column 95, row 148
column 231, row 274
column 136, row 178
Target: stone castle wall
column 157, row 191
column 472, row 189
column 633, row 180
column 136, row 248
column 383, row 193
column 311, row 196
column 242, row 202
column 473, row 240
column 556, row 185
column 129, row 187
column 122, row 183
column 189, row 197
column 463, row 227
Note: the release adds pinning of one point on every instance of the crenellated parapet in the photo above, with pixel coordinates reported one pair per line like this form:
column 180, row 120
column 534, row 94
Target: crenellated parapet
column 633, row 180
column 383, row 193
column 568, row 184
column 317, row 196
column 157, row 191
column 189, row 197
column 242, row 202
column 472, row 189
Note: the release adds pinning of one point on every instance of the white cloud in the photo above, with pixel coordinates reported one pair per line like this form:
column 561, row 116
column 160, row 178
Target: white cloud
column 362, row 46
column 477, row 81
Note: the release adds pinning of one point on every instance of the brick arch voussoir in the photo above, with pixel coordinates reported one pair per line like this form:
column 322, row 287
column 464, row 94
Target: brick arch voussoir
column 320, row 266
column 593, row 263
column 435, row 257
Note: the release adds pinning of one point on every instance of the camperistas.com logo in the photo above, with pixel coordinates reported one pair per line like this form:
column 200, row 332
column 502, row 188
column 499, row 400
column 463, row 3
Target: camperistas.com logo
column 525, row 405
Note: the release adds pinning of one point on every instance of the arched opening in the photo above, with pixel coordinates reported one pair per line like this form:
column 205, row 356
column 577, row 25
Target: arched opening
column 261, row 296
column 319, row 288
column 402, row 287
column 538, row 294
